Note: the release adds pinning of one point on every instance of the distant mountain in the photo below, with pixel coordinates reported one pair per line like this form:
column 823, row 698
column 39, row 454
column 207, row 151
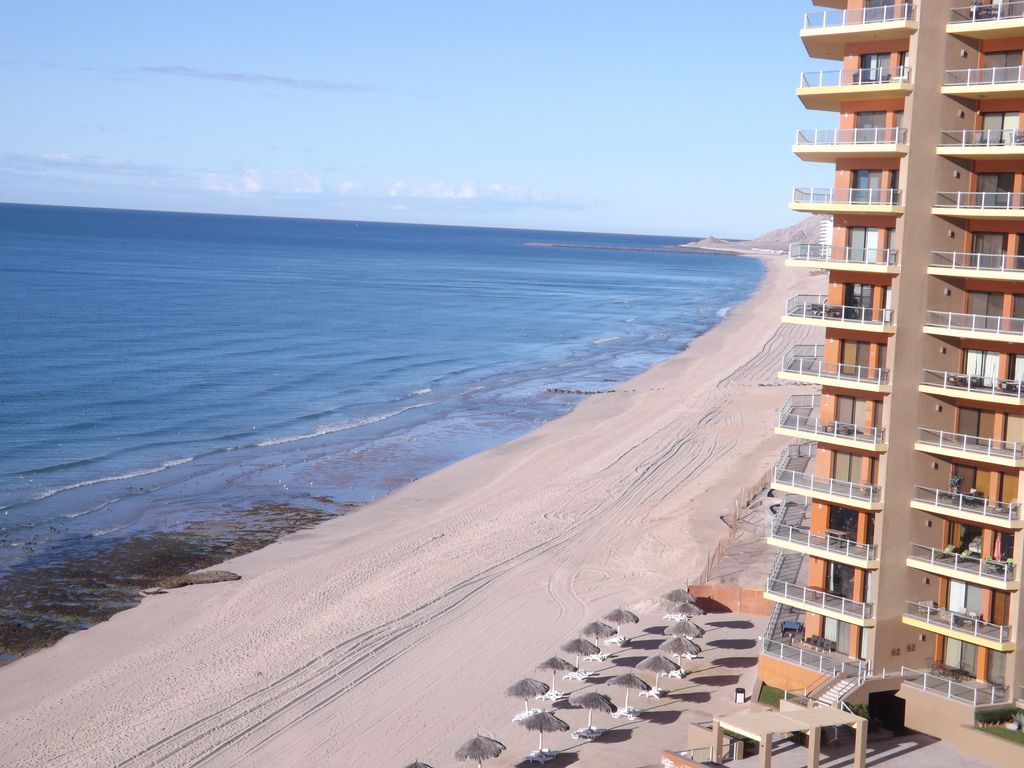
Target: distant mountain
column 778, row 240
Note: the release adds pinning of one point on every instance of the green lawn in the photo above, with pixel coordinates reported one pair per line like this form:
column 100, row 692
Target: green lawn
column 1005, row 733
column 771, row 696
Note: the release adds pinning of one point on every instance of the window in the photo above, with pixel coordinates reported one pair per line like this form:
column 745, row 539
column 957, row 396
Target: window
column 986, row 309
column 983, row 364
column 859, row 300
column 964, row 597
column 962, row 656
column 839, row 633
column 869, row 127
column 1006, row 65
column 862, row 243
column 965, row 539
column 839, row 580
column 989, row 242
column 874, row 68
column 867, row 187
column 994, row 189
column 852, row 410
column 996, row 668
column 1000, row 127
column 976, row 423
column 843, row 520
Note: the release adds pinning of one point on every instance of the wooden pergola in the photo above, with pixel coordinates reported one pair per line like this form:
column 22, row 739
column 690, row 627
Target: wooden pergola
column 765, row 726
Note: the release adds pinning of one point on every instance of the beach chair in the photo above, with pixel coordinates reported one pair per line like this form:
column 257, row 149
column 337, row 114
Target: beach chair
column 552, row 695
column 587, row 734
column 654, row 693
column 618, row 640
column 579, row 674
column 678, row 674
column 525, row 714
column 630, row 714
column 674, row 617
column 540, row 756
column 596, row 657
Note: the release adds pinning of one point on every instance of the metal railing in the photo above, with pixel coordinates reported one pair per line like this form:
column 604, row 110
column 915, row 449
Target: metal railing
column 987, row 201
column 835, row 78
column 845, row 196
column 959, row 321
column 826, row 542
column 808, row 360
column 983, row 138
column 963, row 382
column 968, row 503
column 812, row 425
column 975, row 696
column 968, row 564
column 828, row 137
column 816, row 484
column 815, row 598
column 960, row 622
column 984, row 76
column 984, row 446
column 809, row 659
column 810, row 307
column 860, row 16
column 1007, row 9
column 979, row 262
column 826, row 253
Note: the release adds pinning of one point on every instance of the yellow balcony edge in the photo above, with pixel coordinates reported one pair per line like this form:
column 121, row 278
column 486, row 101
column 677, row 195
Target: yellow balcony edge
column 873, row 506
column 865, row 210
column 977, row 274
column 1000, row 338
column 963, row 394
column 980, row 153
column 824, row 437
column 839, row 325
column 978, row 213
column 966, row 637
column 953, row 573
column 855, row 32
column 987, row 30
column 827, row 153
column 823, row 554
column 868, row 623
column 935, row 509
column 937, row 450
column 848, row 266
column 824, row 381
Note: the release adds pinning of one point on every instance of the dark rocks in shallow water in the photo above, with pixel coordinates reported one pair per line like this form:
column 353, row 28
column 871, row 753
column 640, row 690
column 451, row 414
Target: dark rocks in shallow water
column 199, row 577
column 564, row 391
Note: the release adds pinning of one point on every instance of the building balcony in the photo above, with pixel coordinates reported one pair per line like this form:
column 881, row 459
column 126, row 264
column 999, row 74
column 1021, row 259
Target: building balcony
column 991, row 266
column 879, row 261
column 959, row 625
column 822, row 661
column 794, row 474
column 799, row 418
column 988, row 22
column 952, row 565
column 826, row 34
column 985, row 82
column 830, row 145
column 828, row 546
column 979, row 145
column 815, row 310
column 980, row 327
column 823, row 603
column 957, row 446
column 829, row 90
column 826, row 200
column 980, row 205
column 970, row 508
column 980, row 389
column 806, row 363
column 972, row 693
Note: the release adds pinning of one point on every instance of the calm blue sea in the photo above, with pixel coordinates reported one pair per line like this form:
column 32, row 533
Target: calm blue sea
column 156, row 368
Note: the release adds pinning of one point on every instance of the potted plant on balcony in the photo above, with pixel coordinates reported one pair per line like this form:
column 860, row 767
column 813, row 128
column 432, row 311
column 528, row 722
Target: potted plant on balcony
column 954, row 483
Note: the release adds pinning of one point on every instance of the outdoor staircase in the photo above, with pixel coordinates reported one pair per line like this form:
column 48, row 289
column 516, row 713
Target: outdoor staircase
column 833, row 695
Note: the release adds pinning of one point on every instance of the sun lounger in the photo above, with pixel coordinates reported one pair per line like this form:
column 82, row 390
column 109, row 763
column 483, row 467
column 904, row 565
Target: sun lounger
column 588, row 734
column 618, row 640
column 552, row 695
column 596, row 657
column 580, row 674
column 654, row 693
column 679, row 674
column 630, row 714
column 540, row 756
column 525, row 714
column 675, row 616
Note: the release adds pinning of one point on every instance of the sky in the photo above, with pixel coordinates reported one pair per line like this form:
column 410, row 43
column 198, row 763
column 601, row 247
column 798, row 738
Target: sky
column 671, row 117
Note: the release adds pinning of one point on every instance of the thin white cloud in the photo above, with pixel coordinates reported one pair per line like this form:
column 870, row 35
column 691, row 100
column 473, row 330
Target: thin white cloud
column 255, row 78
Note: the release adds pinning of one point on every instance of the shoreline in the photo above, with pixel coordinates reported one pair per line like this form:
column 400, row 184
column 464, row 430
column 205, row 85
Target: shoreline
column 578, row 516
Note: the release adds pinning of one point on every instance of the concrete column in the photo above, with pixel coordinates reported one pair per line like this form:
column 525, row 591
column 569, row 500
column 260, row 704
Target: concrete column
column 716, row 741
column 813, row 747
column 766, row 750
column 860, row 749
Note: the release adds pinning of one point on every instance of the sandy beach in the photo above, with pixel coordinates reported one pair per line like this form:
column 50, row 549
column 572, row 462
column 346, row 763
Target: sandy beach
column 391, row 633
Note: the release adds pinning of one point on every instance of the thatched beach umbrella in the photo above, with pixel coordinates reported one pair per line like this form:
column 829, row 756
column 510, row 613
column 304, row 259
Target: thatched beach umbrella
column 659, row 665
column 556, row 665
column 598, row 630
column 686, row 609
column 580, row 647
column 590, row 701
column 630, row 682
column 685, row 628
column 677, row 596
column 479, row 749
column 544, row 722
column 525, row 689
column 417, row 764
column 621, row 616
column 680, row 646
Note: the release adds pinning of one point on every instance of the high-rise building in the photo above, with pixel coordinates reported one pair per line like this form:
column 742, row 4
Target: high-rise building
column 899, row 522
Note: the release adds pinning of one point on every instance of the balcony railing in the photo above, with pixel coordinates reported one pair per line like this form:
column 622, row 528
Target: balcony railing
column 810, row 307
column 967, row 564
column 954, row 501
column 962, row 382
column 809, row 659
column 958, row 321
column 957, row 621
column 855, row 77
column 825, row 542
column 814, row 598
column 987, row 201
column 1007, row 9
column 982, row 446
column 816, row 485
column 831, row 137
column 975, row 696
column 977, row 262
column 985, row 76
column 850, row 18
column 826, row 254
column 845, row 196
column 987, row 138
column 810, row 425
column 808, row 360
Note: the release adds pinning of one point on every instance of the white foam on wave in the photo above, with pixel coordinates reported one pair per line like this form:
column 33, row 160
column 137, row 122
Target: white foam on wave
column 114, row 478
column 724, row 311
column 341, row 426
column 422, row 391
column 605, row 339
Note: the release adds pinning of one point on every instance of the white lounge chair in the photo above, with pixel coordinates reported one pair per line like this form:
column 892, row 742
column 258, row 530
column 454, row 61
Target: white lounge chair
column 618, row 640
column 587, row 734
column 654, row 693
column 579, row 674
column 540, row 756
column 596, row 657
column 552, row 695
column 631, row 713
column 675, row 617
column 679, row 674
column 525, row 714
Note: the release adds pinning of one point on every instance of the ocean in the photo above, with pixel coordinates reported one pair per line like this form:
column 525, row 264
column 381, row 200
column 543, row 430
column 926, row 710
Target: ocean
column 179, row 388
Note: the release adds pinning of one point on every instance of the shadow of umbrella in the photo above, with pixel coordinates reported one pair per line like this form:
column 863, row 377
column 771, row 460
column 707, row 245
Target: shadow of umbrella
column 590, row 701
column 525, row 689
column 544, row 722
column 479, row 749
